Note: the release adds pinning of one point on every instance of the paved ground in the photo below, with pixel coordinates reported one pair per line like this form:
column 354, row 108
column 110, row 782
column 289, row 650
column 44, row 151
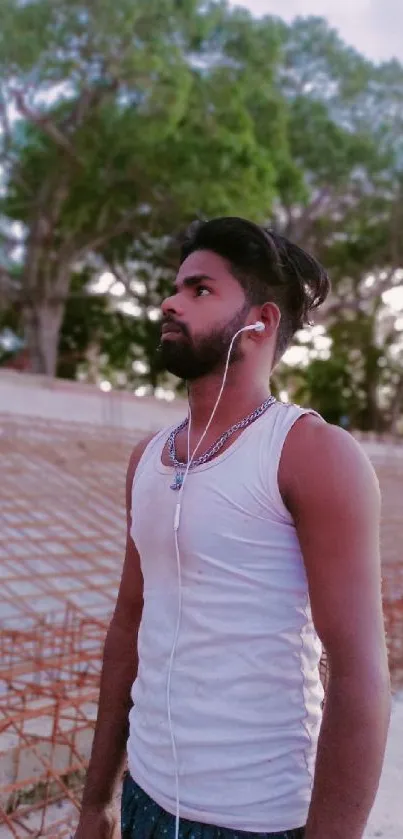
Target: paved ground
column 387, row 815
column 62, row 540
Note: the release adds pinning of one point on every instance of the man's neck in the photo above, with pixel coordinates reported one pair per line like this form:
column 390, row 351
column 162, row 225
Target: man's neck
column 239, row 398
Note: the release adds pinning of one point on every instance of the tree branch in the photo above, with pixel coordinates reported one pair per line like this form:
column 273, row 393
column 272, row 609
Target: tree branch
column 72, row 252
column 337, row 307
column 391, row 280
column 5, row 122
column 121, row 276
column 10, row 241
column 10, row 291
column 6, row 153
column 296, row 228
column 88, row 99
column 396, row 406
column 45, row 124
column 123, row 226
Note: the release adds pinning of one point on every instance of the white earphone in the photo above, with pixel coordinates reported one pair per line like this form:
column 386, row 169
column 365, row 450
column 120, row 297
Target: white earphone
column 256, row 327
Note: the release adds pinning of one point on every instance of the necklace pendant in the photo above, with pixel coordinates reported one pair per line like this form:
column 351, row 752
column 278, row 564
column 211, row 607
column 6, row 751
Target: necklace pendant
column 178, row 481
column 180, row 469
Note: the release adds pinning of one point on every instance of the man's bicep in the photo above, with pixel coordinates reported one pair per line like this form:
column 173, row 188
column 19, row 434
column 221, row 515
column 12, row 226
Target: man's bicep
column 335, row 502
column 129, row 603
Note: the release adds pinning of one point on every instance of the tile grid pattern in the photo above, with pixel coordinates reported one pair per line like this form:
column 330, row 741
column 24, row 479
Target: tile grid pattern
column 62, row 531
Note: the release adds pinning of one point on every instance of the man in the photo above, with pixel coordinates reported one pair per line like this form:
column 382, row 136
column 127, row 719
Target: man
column 231, row 585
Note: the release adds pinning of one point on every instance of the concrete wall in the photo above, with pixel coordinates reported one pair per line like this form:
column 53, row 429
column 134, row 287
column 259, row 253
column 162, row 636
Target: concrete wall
column 57, row 399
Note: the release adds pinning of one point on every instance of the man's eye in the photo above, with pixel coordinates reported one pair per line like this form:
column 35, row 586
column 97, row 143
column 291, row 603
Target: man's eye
column 200, row 289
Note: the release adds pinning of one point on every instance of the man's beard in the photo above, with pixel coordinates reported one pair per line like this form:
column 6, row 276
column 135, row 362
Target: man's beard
column 192, row 358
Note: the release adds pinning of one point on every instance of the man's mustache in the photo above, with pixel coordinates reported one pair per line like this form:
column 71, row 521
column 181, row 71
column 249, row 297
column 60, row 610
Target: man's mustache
column 176, row 324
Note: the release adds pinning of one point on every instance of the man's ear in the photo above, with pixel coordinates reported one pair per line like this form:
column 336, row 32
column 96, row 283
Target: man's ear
column 270, row 315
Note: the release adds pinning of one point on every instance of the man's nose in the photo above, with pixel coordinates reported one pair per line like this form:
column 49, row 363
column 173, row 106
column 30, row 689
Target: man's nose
column 172, row 306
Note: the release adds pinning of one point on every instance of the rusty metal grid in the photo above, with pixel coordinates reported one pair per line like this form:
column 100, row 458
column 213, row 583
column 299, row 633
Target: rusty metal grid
column 62, row 533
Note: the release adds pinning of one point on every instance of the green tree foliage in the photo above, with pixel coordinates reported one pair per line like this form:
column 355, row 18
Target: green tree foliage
column 150, row 127
column 345, row 134
column 123, row 121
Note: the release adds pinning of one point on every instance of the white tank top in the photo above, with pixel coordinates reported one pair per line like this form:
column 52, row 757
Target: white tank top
column 245, row 688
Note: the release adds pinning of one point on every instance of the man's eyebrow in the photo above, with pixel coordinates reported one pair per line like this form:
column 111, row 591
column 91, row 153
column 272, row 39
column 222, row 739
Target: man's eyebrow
column 194, row 279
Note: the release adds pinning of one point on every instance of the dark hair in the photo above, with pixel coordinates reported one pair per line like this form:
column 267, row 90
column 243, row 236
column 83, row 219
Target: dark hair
column 268, row 266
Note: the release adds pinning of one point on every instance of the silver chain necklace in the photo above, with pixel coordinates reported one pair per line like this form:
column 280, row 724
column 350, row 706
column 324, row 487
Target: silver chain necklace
column 180, row 466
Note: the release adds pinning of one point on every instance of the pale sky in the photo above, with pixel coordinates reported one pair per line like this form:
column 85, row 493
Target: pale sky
column 374, row 27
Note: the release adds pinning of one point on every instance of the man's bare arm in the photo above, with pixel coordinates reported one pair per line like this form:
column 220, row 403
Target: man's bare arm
column 119, row 670
column 333, row 495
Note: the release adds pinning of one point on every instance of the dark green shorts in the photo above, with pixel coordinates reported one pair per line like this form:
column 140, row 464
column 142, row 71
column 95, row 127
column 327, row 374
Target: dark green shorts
column 142, row 818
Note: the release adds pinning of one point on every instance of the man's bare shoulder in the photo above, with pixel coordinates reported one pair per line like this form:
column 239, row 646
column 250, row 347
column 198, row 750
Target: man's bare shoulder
column 134, row 461
column 316, row 452
column 138, row 451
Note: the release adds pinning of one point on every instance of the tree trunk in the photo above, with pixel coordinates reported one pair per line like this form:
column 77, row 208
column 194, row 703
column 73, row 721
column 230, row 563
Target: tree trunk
column 42, row 324
column 92, row 357
column 374, row 417
column 396, row 408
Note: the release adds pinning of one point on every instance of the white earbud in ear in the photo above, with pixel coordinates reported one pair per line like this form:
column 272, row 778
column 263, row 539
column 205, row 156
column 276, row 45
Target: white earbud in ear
column 254, row 327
